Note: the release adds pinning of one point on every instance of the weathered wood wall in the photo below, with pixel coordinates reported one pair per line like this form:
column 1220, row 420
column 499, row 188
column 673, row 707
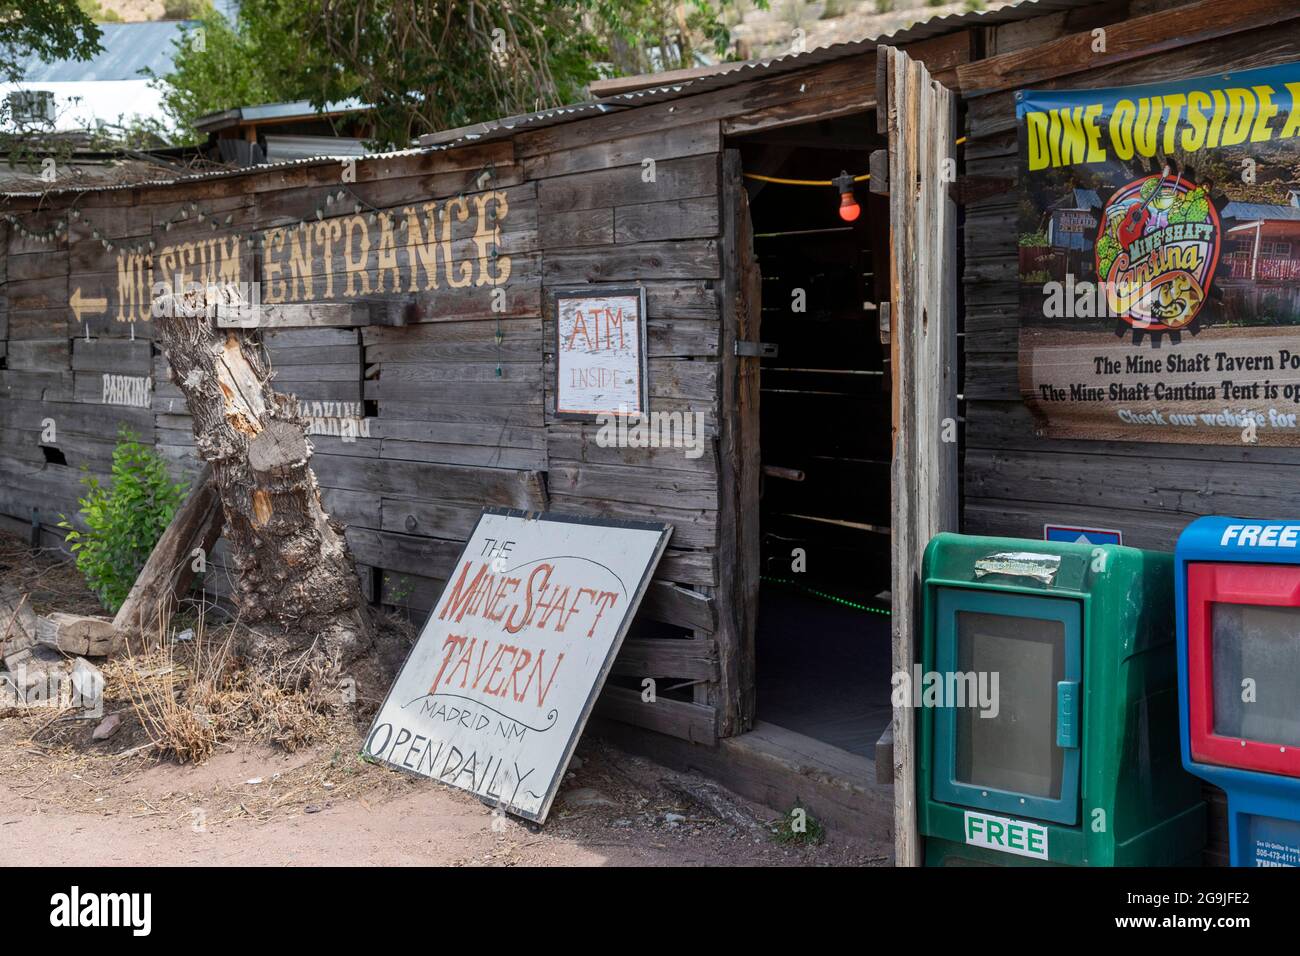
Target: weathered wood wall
column 449, row 357
column 1015, row 480
column 451, row 412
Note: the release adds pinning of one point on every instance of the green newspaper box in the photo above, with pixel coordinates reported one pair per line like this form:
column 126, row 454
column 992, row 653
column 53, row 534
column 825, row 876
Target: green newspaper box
column 1048, row 707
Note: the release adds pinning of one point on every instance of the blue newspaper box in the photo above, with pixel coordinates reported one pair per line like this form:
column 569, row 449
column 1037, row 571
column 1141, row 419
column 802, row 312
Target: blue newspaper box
column 1237, row 590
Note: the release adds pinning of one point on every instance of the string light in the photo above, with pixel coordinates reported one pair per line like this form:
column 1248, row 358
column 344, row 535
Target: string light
column 849, row 208
column 833, row 598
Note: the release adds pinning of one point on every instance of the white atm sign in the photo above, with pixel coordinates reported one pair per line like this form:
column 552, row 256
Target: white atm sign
column 1006, row 835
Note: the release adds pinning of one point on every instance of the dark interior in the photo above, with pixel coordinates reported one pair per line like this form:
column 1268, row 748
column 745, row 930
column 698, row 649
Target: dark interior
column 823, row 655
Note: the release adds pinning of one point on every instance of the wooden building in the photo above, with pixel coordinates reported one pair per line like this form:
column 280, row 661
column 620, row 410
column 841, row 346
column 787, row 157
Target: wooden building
column 414, row 292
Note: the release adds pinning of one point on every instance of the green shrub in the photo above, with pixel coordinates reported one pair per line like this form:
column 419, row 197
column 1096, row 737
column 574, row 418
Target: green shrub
column 799, row 827
column 123, row 522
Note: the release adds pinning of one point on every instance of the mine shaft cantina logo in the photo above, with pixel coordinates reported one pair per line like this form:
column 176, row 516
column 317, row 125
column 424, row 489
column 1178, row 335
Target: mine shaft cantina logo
column 1157, row 246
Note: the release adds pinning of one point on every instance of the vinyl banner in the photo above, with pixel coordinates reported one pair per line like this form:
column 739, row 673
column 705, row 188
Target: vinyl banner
column 1159, row 247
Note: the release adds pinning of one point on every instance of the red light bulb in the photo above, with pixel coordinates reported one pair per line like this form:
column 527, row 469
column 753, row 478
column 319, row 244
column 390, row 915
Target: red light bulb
column 849, row 208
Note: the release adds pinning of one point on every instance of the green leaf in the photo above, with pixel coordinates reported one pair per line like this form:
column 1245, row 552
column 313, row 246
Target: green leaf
column 123, row 519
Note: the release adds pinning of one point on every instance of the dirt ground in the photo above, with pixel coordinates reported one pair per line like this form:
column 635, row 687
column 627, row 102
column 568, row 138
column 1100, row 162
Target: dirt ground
column 67, row 799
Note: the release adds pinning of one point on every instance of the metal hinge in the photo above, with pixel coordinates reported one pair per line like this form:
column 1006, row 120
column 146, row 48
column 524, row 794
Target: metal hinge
column 756, row 349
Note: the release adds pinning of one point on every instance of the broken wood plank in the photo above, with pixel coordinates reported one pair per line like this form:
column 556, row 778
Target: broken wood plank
column 667, row 657
column 168, row 573
column 18, row 624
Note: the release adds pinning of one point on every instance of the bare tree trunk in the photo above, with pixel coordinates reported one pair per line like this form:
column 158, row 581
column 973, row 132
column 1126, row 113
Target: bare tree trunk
column 295, row 578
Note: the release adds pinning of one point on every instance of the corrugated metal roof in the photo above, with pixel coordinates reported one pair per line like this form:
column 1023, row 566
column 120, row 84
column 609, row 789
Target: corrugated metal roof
column 935, row 26
column 500, row 128
column 301, row 147
column 1251, row 211
column 128, row 49
column 228, row 173
column 731, row 74
column 268, row 111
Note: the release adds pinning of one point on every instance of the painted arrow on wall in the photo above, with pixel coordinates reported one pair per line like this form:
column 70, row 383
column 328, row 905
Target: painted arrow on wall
column 82, row 305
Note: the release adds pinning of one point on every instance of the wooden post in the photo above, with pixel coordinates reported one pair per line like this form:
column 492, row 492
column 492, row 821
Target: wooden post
column 167, row 575
column 739, row 472
column 922, row 130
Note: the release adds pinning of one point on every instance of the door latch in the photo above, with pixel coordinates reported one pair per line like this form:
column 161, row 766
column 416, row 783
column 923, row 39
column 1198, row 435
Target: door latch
column 756, row 349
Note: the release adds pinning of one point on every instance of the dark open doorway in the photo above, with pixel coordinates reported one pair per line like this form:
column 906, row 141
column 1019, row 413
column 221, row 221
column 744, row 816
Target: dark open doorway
column 823, row 645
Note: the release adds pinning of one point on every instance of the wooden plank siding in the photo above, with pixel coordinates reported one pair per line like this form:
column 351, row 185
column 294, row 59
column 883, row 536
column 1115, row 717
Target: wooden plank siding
column 443, row 372
column 1015, row 479
column 440, row 402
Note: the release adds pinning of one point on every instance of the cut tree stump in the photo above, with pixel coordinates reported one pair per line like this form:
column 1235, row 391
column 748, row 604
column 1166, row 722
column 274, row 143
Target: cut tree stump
column 167, row 575
column 295, row 580
column 78, row 635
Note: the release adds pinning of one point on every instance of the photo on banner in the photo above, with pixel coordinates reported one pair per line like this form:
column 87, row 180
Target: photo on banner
column 1159, row 260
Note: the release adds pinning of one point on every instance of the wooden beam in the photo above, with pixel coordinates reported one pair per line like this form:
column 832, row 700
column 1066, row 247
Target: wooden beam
column 1129, row 40
column 923, row 252
column 739, row 465
column 666, row 657
column 167, row 575
column 677, row 718
column 780, row 769
column 295, row 315
column 18, row 626
column 79, row 635
column 799, row 114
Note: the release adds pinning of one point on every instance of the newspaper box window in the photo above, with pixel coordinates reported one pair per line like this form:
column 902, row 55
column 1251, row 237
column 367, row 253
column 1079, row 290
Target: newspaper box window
column 496, row 691
column 1239, row 668
column 1047, row 696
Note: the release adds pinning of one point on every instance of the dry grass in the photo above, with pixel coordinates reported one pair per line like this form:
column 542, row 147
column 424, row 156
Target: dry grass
column 190, row 696
column 182, row 699
column 47, row 576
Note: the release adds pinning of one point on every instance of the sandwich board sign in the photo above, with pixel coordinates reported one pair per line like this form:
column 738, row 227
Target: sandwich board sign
column 498, row 687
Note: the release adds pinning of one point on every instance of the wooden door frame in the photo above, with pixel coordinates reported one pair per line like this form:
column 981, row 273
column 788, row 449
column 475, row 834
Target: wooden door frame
column 738, row 451
column 919, row 116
